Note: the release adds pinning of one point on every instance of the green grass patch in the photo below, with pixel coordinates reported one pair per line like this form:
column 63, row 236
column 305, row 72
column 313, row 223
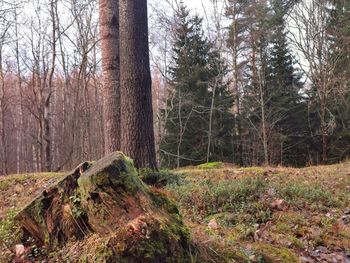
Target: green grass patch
column 211, row 165
column 9, row 230
column 315, row 195
column 269, row 253
column 238, row 197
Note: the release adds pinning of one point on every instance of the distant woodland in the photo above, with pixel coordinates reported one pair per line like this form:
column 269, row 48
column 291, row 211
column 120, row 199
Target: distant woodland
column 249, row 82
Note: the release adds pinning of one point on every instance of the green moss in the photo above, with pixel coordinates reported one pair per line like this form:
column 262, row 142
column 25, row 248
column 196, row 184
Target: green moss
column 166, row 241
column 296, row 242
column 103, row 254
column 9, row 230
column 77, row 211
column 35, row 210
column 159, row 247
column 292, row 218
column 270, row 253
column 162, row 201
column 282, row 228
column 174, row 229
column 211, row 165
column 119, row 173
column 4, row 184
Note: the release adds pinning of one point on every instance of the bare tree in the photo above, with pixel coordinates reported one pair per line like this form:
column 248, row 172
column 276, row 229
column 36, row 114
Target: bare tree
column 309, row 35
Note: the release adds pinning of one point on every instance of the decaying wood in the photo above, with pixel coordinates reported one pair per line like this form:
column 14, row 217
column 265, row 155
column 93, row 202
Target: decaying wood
column 106, row 198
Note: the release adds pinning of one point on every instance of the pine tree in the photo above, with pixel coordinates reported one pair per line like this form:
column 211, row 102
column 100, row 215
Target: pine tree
column 137, row 134
column 254, row 116
column 199, row 94
column 283, row 86
column 272, row 105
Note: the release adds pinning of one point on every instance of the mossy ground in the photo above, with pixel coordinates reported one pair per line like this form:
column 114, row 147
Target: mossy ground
column 250, row 229
column 239, row 199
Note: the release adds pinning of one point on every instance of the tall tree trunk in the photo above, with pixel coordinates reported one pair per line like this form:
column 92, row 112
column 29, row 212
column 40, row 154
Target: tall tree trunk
column 48, row 138
column 3, row 153
column 235, row 81
column 20, row 150
column 109, row 31
column 137, row 136
column 211, row 121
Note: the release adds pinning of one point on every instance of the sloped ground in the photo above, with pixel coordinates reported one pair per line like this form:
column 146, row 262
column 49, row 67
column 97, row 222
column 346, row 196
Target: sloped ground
column 237, row 214
column 268, row 214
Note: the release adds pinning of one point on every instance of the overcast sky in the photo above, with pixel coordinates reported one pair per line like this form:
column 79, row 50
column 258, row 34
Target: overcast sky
column 195, row 4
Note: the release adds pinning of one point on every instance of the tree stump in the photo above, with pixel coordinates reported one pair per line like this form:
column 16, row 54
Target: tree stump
column 107, row 199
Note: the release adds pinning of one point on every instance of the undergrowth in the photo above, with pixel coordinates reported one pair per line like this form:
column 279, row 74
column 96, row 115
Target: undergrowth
column 160, row 178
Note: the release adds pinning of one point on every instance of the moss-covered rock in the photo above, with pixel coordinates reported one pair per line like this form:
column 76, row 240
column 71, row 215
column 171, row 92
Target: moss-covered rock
column 107, row 199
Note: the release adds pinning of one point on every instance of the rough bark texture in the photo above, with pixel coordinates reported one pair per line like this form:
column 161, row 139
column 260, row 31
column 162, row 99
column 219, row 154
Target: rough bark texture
column 137, row 138
column 109, row 31
column 106, row 201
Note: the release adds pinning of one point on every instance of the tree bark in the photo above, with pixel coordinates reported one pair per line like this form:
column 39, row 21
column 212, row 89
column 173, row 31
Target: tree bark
column 137, row 136
column 109, row 32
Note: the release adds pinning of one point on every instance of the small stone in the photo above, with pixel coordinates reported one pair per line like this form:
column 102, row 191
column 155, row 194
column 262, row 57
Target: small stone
column 271, row 192
column 321, row 249
column 20, row 250
column 213, row 224
column 304, row 259
column 252, row 257
column 278, row 204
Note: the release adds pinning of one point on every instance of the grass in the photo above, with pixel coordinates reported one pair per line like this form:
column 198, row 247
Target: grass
column 239, row 200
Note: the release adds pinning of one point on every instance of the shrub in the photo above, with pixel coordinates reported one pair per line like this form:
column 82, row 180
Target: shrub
column 160, row 178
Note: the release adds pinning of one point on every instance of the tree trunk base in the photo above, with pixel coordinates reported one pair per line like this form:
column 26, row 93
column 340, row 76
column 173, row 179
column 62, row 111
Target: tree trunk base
column 106, row 201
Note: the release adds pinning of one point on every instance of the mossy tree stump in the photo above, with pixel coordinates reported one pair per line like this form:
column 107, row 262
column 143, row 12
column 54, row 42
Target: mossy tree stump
column 107, row 198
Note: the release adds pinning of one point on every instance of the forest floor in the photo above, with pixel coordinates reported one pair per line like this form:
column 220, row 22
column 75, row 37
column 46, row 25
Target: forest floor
column 236, row 214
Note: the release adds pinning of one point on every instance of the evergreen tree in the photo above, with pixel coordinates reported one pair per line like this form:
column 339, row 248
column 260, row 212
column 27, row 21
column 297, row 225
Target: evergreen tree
column 254, row 117
column 288, row 110
column 198, row 112
column 272, row 104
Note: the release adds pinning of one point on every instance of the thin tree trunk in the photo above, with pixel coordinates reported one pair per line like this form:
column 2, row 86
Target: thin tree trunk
column 2, row 117
column 109, row 31
column 179, row 141
column 263, row 123
column 47, row 124
column 324, row 133
column 210, row 122
column 238, row 125
column 137, row 136
column 20, row 151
